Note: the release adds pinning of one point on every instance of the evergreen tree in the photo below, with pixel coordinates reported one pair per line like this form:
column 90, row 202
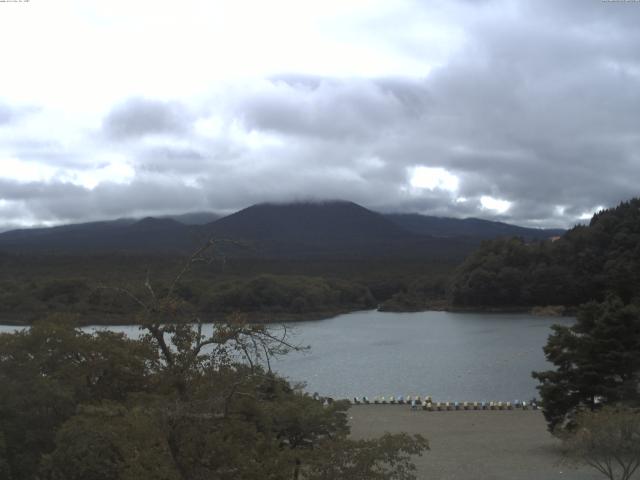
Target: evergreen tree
column 597, row 362
column 586, row 264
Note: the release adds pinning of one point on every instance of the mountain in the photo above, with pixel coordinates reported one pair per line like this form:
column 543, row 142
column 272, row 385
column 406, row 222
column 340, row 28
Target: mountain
column 467, row 227
column 294, row 230
column 146, row 235
column 194, row 218
column 312, row 223
column 336, row 228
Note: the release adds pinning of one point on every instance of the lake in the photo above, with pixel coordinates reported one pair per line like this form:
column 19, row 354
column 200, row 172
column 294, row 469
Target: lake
column 450, row 356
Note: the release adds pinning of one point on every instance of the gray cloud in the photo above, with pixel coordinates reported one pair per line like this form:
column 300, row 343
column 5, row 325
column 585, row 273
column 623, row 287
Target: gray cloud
column 539, row 106
column 9, row 114
column 171, row 160
column 49, row 152
column 38, row 191
column 5, row 114
column 145, row 198
column 138, row 117
column 65, row 202
column 328, row 108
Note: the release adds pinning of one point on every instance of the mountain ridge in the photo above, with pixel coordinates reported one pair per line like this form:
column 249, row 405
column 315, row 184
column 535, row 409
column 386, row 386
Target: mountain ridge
column 470, row 226
column 335, row 227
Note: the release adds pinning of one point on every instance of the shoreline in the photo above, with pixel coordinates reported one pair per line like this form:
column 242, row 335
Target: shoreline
column 101, row 319
column 105, row 319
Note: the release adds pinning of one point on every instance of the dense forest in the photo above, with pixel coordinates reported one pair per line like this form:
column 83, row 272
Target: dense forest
column 585, row 264
column 593, row 269
column 173, row 404
column 90, row 286
column 178, row 404
column 273, row 262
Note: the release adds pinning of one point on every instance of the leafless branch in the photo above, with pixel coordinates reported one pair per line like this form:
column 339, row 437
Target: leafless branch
column 147, row 284
column 128, row 293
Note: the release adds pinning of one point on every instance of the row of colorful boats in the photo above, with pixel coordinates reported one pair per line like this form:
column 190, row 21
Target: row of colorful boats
column 426, row 403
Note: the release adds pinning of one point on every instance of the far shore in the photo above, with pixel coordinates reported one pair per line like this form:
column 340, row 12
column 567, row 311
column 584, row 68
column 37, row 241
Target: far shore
column 104, row 319
column 542, row 310
column 474, row 445
column 101, row 319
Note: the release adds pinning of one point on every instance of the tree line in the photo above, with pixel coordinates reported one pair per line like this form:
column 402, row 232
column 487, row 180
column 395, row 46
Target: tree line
column 586, row 264
column 174, row 404
column 34, row 286
column 591, row 396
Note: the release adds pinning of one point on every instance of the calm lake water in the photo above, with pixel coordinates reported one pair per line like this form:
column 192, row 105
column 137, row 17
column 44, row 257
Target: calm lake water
column 450, row 356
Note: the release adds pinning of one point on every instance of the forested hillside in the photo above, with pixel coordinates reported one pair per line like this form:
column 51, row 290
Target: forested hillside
column 302, row 230
column 468, row 227
column 587, row 263
column 33, row 286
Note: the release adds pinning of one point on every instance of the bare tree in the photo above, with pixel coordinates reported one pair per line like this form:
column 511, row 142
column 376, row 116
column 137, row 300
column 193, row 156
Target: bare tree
column 176, row 329
column 607, row 440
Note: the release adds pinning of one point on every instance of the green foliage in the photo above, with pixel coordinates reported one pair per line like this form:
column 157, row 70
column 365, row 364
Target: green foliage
column 421, row 293
column 276, row 294
column 585, row 264
column 99, row 407
column 388, row 457
column 4, row 464
column 65, row 291
column 34, row 286
column 50, row 369
column 597, row 362
column 111, row 442
column 174, row 404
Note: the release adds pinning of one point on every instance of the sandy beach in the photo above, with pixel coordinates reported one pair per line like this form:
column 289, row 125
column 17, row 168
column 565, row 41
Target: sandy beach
column 474, row 445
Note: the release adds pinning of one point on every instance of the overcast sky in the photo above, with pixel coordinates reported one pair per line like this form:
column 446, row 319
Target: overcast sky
column 523, row 111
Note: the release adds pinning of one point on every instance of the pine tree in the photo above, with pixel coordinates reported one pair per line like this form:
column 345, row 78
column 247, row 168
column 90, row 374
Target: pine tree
column 597, row 362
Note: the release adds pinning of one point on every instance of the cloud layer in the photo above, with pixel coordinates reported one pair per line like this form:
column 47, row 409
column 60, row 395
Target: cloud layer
column 526, row 112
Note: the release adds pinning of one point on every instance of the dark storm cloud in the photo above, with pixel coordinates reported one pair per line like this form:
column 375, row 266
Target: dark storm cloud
column 46, row 191
column 540, row 110
column 539, row 106
column 49, row 152
column 328, row 108
column 556, row 100
column 144, row 196
column 138, row 117
column 171, row 160
column 65, row 202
